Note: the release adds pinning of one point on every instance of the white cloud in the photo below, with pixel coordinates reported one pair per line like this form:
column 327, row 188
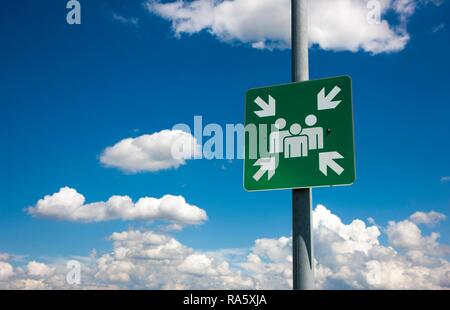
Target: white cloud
column 407, row 235
column 431, row 218
column 67, row 204
column 133, row 21
column 31, row 284
column 6, row 271
column 348, row 256
column 162, row 150
column 438, row 28
column 334, row 25
column 158, row 261
column 351, row 256
column 36, row 269
column 114, row 270
column 197, row 264
column 445, row 179
column 4, row 256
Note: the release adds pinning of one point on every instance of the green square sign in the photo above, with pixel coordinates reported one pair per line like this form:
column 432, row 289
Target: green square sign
column 299, row 135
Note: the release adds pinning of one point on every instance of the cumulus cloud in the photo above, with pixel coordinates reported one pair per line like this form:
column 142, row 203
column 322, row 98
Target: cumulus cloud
column 36, row 269
column 159, row 151
column 67, row 204
column 351, row 256
column 407, row 235
column 4, row 256
column 430, row 219
column 350, row 25
column 197, row 264
column 31, row 284
column 157, row 261
column 6, row 271
column 347, row 256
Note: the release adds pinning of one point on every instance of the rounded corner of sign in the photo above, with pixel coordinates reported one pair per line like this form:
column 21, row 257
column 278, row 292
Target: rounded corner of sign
column 248, row 92
column 352, row 181
column 246, row 188
column 347, row 77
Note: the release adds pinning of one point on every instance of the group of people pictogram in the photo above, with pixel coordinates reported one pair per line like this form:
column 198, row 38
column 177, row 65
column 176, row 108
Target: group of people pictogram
column 297, row 140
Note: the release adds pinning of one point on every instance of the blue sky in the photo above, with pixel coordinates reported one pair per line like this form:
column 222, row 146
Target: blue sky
column 67, row 92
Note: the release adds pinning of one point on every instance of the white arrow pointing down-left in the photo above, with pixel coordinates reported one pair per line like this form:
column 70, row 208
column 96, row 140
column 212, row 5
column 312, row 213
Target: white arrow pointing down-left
column 327, row 102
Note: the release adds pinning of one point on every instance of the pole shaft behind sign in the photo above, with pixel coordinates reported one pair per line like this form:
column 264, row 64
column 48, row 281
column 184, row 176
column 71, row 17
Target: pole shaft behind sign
column 302, row 247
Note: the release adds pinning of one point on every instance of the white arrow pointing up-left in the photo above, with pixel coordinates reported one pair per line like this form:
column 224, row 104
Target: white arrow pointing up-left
column 268, row 108
column 326, row 159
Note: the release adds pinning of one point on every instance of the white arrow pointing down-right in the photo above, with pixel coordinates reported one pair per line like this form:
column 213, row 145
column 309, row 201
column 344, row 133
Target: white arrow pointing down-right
column 326, row 159
column 268, row 108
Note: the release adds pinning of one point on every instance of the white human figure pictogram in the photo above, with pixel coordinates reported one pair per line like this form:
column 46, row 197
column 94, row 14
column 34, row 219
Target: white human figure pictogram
column 276, row 138
column 296, row 145
column 315, row 134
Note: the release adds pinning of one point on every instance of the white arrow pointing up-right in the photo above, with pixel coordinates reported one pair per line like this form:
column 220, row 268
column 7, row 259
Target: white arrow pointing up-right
column 268, row 165
column 326, row 159
column 326, row 102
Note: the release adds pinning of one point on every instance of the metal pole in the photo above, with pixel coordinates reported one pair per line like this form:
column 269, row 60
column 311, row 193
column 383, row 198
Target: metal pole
column 302, row 247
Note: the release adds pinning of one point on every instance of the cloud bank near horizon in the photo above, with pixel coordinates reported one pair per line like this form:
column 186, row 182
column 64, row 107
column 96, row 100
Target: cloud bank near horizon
column 347, row 256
